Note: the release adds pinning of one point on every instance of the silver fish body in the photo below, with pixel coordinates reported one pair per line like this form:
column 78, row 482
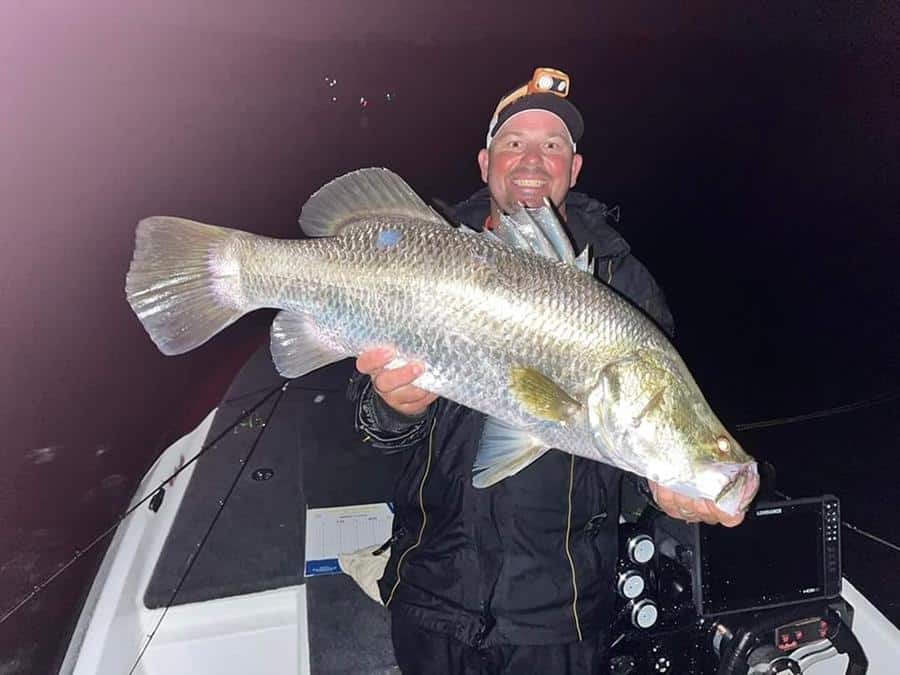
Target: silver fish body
column 555, row 358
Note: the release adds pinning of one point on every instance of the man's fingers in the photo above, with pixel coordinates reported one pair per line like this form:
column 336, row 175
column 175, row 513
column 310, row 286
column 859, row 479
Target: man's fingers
column 373, row 360
column 692, row 510
column 705, row 511
column 417, row 407
column 408, row 395
column 388, row 381
column 729, row 520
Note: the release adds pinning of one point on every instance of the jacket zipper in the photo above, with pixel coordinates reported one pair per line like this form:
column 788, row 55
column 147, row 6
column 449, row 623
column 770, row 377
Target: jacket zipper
column 568, row 550
column 424, row 514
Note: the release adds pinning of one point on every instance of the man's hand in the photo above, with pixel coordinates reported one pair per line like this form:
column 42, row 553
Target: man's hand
column 691, row 510
column 395, row 386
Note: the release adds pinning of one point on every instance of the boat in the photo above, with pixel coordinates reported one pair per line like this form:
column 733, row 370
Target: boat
column 207, row 573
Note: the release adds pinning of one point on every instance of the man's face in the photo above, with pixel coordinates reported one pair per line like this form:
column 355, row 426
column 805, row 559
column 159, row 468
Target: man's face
column 531, row 158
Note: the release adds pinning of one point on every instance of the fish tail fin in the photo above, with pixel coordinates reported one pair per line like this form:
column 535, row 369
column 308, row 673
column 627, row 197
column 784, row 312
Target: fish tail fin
column 184, row 281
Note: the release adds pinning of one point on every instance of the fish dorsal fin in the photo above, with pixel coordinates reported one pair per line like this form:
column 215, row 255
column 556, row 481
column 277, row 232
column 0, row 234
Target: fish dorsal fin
column 540, row 230
column 585, row 261
column 548, row 221
column 365, row 192
column 520, row 230
column 489, row 235
column 465, row 229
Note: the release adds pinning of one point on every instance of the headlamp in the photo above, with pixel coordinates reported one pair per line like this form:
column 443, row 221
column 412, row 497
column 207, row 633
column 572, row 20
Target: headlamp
column 548, row 90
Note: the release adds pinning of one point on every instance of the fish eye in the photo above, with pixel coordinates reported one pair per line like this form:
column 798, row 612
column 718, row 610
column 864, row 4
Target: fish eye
column 723, row 445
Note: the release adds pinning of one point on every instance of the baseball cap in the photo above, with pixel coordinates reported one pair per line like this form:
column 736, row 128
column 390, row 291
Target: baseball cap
column 547, row 90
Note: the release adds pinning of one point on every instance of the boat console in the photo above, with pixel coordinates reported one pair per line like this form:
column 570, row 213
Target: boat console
column 759, row 599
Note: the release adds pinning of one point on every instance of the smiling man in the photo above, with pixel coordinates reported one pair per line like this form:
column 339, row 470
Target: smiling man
column 517, row 577
column 530, row 157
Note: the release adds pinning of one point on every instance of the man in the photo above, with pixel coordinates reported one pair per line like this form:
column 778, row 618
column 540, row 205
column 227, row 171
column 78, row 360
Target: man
column 518, row 577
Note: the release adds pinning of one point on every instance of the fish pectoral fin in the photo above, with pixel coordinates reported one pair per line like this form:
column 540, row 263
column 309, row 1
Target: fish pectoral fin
column 296, row 346
column 365, row 192
column 541, row 396
column 504, row 450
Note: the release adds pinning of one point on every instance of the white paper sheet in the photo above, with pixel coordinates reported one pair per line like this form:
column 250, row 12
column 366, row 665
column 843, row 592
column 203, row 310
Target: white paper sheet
column 343, row 529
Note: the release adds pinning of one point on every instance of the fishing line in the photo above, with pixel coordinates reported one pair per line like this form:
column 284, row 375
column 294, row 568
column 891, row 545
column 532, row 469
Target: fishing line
column 854, row 528
column 869, row 535
column 212, row 524
column 849, row 407
column 318, row 390
column 81, row 551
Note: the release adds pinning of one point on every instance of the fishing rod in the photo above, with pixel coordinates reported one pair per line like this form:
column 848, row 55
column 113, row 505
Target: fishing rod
column 818, row 414
column 853, row 528
column 222, row 502
column 159, row 489
column 879, row 399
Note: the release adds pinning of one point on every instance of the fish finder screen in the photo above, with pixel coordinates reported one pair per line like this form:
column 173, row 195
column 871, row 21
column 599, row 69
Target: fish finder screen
column 774, row 557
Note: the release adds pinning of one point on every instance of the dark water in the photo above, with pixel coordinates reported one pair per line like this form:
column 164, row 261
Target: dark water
column 755, row 163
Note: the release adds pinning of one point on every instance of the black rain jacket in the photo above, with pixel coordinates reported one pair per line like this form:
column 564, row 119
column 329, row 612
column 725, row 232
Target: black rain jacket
column 531, row 559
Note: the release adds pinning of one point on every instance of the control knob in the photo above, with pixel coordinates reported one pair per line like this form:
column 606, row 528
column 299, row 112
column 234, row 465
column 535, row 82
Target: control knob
column 641, row 549
column 644, row 614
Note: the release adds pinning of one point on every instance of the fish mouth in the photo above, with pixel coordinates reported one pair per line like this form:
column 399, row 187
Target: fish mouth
column 736, row 495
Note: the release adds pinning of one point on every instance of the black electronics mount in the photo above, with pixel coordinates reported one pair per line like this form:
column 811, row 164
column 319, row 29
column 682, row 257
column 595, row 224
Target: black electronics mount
column 759, row 599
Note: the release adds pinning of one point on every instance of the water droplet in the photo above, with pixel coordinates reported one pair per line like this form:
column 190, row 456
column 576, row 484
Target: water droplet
column 319, row 398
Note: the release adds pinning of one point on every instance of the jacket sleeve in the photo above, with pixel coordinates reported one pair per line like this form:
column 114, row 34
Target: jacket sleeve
column 381, row 426
column 631, row 278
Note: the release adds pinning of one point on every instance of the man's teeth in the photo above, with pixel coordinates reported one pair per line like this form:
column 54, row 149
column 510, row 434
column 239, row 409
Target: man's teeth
column 528, row 183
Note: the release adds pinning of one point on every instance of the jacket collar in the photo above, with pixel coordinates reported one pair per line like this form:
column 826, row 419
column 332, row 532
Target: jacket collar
column 585, row 216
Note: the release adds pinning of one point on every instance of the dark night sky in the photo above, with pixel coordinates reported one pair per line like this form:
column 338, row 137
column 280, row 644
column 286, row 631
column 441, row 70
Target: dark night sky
column 754, row 153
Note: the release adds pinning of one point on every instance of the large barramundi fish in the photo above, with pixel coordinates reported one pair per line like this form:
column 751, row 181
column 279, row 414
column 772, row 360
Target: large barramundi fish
column 553, row 357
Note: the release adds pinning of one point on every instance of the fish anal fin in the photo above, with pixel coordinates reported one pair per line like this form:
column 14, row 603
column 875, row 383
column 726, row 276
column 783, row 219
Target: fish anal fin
column 541, row 396
column 297, row 348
